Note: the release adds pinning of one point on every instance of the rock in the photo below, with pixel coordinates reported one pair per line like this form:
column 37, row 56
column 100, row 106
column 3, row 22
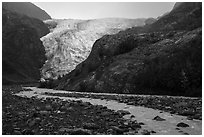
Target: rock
column 125, row 128
column 172, row 111
column 90, row 126
column 132, row 132
column 78, row 131
column 132, row 116
column 37, row 119
column 187, row 112
column 123, row 112
column 100, row 107
column 135, row 125
column 197, row 116
column 153, row 131
column 177, row 128
column 120, row 101
column 110, row 131
column 86, row 104
column 190, row 118
column 44, row 113
column 185, row 133
column 126, row 101
column 157, row 118
column 18, row 129
column 145, row 132
column 79, row 101
column 105, row 113
column 126, row 123
column 58, row 112
column 102, row 98
column 64, row 129
column 167, row 107
column 48, row 107
column 36, row 130
column 36, row 114
column 70, row 109
column 112, row 123
column 143, row 101
column 27, row 132
column 181, row 124
column 67, row 105
column 31, row 123
column 37, row 108
column 63, row 108
column 141, row 123
column 117, row 129
column 180, row 104
column 130, row 103
column 16, row 132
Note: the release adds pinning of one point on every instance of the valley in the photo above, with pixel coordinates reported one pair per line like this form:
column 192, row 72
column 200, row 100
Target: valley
column 106, row 76
column 70, row 41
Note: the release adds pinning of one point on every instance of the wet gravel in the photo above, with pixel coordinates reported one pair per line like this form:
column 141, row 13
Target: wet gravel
column 190, row 107
column 32, row 116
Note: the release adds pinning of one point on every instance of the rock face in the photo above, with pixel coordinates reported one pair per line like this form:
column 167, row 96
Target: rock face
column 70, row 41
column 22, row 51
column 26, row 8
column 161, row 58
column 150, row 21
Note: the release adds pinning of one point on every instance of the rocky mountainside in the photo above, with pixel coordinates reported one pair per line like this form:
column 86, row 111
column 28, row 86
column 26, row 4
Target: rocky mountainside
column 70, row 41
column 161, row 58
column 26, row 8
column 22, row 51
column 184, row 16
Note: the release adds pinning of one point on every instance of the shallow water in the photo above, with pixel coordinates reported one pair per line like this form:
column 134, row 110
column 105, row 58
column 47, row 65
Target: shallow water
column 142, row 114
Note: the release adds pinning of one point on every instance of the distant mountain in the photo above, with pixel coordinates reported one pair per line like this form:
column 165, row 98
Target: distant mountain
column 70, row 41
column 22, row 51
column 164, row 57
column 26, row 8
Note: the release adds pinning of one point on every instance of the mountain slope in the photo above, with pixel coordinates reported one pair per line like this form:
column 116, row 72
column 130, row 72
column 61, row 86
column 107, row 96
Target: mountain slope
column 184, row 16
column 162, row 58
column 26, row 8
column 70, row 41
column 22, row 51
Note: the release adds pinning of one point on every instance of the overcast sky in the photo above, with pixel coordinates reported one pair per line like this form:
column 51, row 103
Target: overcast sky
column 92, row 10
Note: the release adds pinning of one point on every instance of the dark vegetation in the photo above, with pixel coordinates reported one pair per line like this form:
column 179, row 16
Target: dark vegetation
column 22, row 51
column 181, row 72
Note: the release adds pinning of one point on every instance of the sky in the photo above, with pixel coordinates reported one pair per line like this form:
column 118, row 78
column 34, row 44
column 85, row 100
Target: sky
column 93, row 10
